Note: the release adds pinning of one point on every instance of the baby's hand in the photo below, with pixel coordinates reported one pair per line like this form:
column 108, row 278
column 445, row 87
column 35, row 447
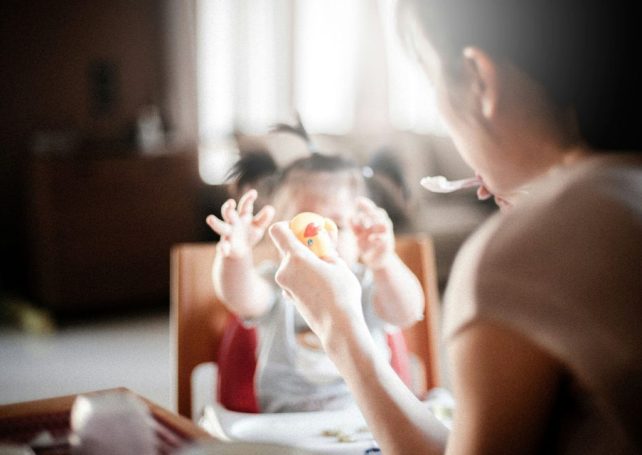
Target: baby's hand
column 375, row 235
column 239, row 229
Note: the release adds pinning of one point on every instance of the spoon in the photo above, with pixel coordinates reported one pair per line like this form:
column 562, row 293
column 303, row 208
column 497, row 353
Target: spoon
column 440, row 184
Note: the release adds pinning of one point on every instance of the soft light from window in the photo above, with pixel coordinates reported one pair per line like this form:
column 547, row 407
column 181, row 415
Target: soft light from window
column 412, row 103
column 215, row 67
column 326, row 42
column 215, row 159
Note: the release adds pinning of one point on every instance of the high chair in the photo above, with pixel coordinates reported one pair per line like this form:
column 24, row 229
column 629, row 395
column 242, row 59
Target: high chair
column 201, row 325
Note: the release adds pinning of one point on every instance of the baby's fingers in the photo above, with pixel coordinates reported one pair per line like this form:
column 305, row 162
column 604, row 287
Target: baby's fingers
column 220, row 227
column 362, row 230
column 264, row 217
column 369, row 209
column 367, row 206
column 379, row 228
column 228, row 210
column 246, row 203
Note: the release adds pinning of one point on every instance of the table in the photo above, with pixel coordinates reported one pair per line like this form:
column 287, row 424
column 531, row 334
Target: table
column 20, row 422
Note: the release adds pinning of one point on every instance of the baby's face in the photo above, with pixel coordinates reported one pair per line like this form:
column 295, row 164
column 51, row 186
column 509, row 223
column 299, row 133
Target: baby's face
column 337, row 203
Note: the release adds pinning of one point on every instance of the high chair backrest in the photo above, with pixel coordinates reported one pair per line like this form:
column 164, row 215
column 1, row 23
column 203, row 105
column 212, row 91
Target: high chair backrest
column 198, row 320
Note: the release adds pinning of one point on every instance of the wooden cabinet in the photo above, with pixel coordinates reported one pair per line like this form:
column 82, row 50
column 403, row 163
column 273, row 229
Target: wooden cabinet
column 101, row 229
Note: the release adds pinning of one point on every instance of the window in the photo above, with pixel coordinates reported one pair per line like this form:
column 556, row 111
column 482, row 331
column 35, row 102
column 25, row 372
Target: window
column 260, row 60
column 326, row 46
column 411, row 100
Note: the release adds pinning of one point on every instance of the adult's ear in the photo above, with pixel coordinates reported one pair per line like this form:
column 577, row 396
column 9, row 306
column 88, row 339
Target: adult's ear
column 482, row 70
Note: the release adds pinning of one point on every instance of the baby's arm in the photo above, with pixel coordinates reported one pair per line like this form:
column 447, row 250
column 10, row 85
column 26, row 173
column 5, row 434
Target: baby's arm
column 398, row 296
column 236, row 282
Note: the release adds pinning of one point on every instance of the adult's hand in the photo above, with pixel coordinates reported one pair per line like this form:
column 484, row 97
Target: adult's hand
column 325, row 291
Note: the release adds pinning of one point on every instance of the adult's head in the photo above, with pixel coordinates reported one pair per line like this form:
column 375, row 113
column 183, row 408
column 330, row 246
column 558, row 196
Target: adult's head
column 524, row 85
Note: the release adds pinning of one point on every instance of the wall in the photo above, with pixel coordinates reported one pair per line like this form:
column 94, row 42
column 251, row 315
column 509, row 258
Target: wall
column 51, row 79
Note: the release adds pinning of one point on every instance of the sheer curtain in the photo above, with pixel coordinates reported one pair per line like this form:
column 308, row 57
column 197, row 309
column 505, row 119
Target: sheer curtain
column 411, row 98
column 326, row 50
column 338, row 63
column 243, row 75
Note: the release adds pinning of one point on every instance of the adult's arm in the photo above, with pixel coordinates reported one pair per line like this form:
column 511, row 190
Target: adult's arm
column 328, row 296
column 504, row 387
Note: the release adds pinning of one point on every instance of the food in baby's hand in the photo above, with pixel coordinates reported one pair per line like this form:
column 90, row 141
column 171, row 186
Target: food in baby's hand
column 316, row 232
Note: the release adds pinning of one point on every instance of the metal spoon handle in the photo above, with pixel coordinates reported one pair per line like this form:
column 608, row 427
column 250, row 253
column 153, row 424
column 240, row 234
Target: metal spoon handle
column 439, row 184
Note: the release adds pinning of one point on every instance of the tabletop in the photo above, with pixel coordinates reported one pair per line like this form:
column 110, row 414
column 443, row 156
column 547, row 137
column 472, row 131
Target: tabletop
column 21, row 422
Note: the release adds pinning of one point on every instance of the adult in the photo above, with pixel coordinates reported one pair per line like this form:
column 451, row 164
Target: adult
column 543, row 308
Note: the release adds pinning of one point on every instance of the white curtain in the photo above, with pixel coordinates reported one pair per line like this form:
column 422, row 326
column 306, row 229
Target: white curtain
column 251, row 63
column 243, row 65
column 411, row 100
column 326, row 55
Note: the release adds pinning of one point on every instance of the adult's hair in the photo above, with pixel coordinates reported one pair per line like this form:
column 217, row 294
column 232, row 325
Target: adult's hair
column 583, row 52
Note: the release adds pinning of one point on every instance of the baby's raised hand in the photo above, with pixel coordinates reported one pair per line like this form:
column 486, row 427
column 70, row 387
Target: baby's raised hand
column 239, row 229
column 375, row 235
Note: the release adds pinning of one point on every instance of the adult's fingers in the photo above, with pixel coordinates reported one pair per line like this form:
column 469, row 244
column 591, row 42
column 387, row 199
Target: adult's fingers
column 218, row 226
column 285, row 241
column 246, row 203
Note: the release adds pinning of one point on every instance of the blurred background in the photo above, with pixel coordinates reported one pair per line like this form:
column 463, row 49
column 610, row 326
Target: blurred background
column 118, row 123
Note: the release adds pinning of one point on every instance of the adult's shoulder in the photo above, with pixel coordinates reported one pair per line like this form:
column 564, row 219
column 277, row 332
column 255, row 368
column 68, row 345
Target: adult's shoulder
column 599, row 196
column 575, row 238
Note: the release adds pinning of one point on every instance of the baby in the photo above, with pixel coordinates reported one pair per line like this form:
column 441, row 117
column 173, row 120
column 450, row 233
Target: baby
column 293, row 373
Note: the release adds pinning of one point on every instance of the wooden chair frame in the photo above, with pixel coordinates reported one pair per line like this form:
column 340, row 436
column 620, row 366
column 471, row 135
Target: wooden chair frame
column 197, row 318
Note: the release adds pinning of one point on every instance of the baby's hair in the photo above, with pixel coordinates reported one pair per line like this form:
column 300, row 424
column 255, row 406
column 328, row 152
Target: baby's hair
column 383, row 179
column 387, row 187
column 251, row 168
column 259, row 169
column 298, row 130
column 384, row 163
column 316, row 162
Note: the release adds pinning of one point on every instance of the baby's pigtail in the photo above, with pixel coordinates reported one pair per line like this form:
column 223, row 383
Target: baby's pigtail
column 298, row 130
column 254, row 169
